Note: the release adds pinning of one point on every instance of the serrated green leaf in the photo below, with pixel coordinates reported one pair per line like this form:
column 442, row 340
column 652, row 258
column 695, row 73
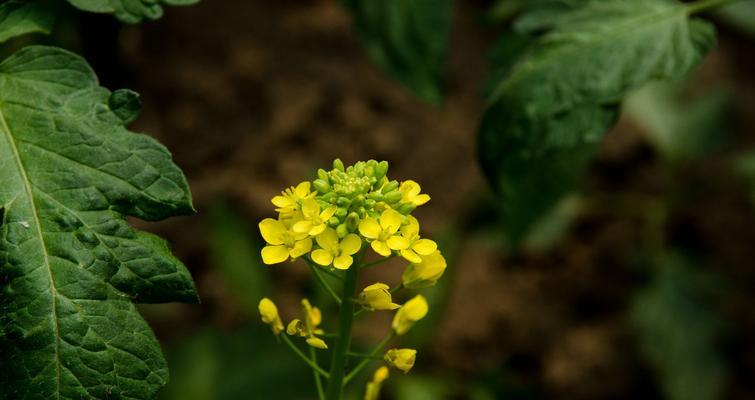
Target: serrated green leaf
column 546, row 117
column 20, row 17
column 129, row 11
column 70, row 264
column 408, row 39
column 677, row 330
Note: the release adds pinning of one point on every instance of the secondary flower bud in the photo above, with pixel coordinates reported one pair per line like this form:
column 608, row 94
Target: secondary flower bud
column 377, row 297
column 402, row 359
column 269, row 313
column 425, row 273
column 411, row 312
column 373, row 387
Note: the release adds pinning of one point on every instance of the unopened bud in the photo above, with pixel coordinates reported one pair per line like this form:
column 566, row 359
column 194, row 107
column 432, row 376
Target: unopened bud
column 322, row 186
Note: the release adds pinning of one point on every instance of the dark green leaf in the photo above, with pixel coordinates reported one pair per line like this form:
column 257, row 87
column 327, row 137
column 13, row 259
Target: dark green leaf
column 19, row 17
column 130, row 11
column 547, row 115
column 70, row 264
column 677, row 331
column 408, row 39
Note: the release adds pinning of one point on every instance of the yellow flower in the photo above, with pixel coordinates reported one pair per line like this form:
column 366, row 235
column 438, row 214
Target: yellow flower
column 417, row 246
column 309, row 328
column 402, row 359
column 335, row 252
column 383, row 232
column 313, row 220
column 269, row 313
column 424, row 273
column 289, row 201
column 373, row 387
column 283, row 242
column 410, row 193
column 377, row 297
column 411, row 312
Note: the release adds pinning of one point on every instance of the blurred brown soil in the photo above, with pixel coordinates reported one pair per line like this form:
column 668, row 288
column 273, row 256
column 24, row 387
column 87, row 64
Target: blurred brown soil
column 253, row 95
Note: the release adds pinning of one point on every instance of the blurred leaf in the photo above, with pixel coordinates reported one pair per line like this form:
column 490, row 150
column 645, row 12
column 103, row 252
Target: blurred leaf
column 680, row 130
column 19, row 17
column 740, row 15
column 677, row 331
column 129, row 11
column 419, row 387
column 408, row 39
column 547, row 231
column 235, row 250
column 247, row 364
column 546, row 117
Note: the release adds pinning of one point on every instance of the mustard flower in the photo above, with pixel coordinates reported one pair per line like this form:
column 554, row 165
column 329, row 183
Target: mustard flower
column 289, row 201
column 269, row 313
column 283, row 242
column 410, row 193
column 383, row 232
column 424, row 273
column 377, row 297
column 411, row 312
column 334, row 252
column 402, row 359
column 373, row 387
column 308, row 328
column 313, row 220
column 416, row 246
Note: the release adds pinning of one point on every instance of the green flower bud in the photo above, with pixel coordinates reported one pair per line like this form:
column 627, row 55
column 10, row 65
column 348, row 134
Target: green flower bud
column 391, row 186
column 392, row 197
column 341, row 212
column 352, row 221
column 359, row 200
column 369, row 203
column 381, row 169
column 322, row 174
column 406, row 208
column 333, row 222
column 338, row 164
column 329, row 197
column 375, row 196
column 343, row 202
column 342, row 231
column 322, row 186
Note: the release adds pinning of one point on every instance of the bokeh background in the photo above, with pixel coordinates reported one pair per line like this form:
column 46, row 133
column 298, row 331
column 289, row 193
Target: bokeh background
column 639, row 286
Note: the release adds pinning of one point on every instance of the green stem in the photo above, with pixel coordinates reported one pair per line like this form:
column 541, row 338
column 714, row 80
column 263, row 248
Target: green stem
column 706, row 5
column 316, row 271
column 318, row 382
column 304, row 358
column 334, row 390
column 366, row 361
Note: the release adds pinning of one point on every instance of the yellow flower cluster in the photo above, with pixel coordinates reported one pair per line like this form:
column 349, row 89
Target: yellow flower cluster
column 332, row 217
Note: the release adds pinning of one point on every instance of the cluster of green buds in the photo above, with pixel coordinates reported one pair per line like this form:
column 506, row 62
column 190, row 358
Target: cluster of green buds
column 330, row 223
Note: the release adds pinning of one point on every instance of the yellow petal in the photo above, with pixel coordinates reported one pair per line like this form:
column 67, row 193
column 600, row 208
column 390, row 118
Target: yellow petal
column 272, row 231
column 317, row 229
column 402, row 359
column 425, row 247
column 343, row 261
column 322, row 257
column 310, row 208
column 301, row 247
column 269, row 313
column 325, row 215
column 409, row 188
column 370, row 228
column 421, row 199
column 296, row 328
column 274, row 254
column 317, row 343
column 350, row 244
column 302, row 189
column 398, row 242
column 302, row 227
column 411, row 229
column 381, row 248
column 282, row 202
column 411, row 312
column 390, row 220
column 411, row 256
column 380, row 375
column 328, row 240
column 425, row 273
